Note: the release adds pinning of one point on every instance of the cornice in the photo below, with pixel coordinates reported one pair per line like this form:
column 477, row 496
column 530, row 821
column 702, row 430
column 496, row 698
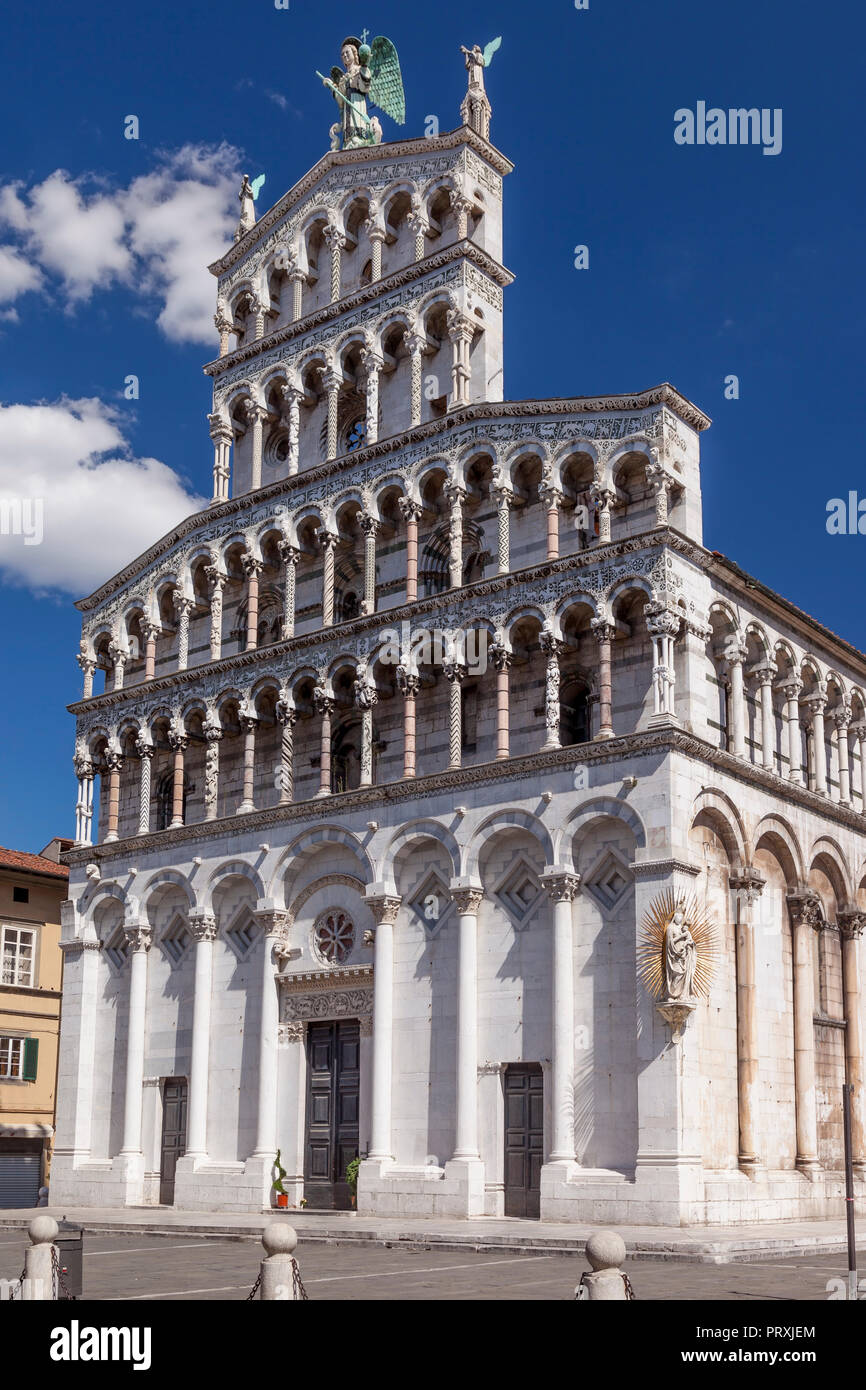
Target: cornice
column 651, row 742
column 458, row 250
column 368, row 154
column 483, row 588
column 665, row 394
column 334, row 977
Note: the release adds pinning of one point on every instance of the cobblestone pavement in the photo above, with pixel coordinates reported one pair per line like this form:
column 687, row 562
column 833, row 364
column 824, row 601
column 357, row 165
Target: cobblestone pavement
column 141, row 1267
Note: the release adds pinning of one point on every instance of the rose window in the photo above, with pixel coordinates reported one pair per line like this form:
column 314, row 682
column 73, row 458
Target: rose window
column 334, row 936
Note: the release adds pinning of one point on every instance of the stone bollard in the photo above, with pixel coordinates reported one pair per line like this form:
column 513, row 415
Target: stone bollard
column 605, row 1251
column 278, row 1269
column 38, row 1261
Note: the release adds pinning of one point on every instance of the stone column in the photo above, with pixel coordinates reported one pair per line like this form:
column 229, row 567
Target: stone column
column 222, row 437
column 256, row 415
column 662, row 628
column 333, row 238
column 764, row 675
column 377, row 235
column 290, row 555
column 455, row 497
column 468, row 901
column 604, row 500
column 332, row 381
column 372, row 363
column 150, row 632
column 223, row 325
column 384, row 909
column 274, row 928
column 114, row 762
column 552, row 648
column 455, row 674
column 145, row 750
column 257, row 309
column 84, row 805
column 791, row 692
column 604, row 631
column 178, row 739
column 183, row 607
column 816, row 705
column 249, row 722
column 410, row 512
column 366, row 697
column 287, row 715
column 415, row 342
column 297, row 278
column 851, row 929
column 461, row 331
column 88, row 666
column 407, row 683
column 252, row 568
column 734, row 655
column 660, row 481
column 561, row 888
column 747, row 887
column 139, row 939
column 369, row 526
column 842, row 722
column 293, row 396
column 504, row 500
column 551, row 499
column 502, row 659
column 324, row 704
column 860, row 732
column 328, row 541
column 418, row 226
column 806, row 918
column 216, row 583
column 462, row 207
column 213, row 733
column 203, row 928
column 119, row 657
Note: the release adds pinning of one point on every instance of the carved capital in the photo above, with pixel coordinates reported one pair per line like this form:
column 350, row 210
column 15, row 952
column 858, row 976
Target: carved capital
column 139, row 938
column 203, row 926
column 851, row 924
column 467, row 900
column 559, row 885
column 384, row 908
column 806, row 908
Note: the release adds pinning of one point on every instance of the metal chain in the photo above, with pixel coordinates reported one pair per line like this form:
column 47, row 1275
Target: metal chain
column 254, row 1290
column 59, row 1281
column 581, row 1291
column 298, row 1290
column 20, row 1288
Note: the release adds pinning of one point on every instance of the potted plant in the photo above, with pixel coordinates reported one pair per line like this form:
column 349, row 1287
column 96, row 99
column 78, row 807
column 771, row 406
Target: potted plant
column 352, row 1179
column 277, row 1188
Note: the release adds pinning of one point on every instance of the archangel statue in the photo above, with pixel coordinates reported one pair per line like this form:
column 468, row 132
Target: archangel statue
column 475, row 110
column 372, row 72
column 247, row 197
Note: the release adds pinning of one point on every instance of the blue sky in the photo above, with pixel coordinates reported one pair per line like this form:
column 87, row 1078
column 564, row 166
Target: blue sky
column 704, row 262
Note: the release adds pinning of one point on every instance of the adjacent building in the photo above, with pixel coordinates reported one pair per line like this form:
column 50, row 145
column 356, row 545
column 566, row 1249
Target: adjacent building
column 388, row 757
column 32, row 887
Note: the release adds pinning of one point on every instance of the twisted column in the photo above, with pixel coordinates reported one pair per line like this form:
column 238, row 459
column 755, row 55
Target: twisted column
column 286, row 716
column 212, row 730
column 408, row 682
column 455, row 674
column 604, row 632
column 415, row 342
column 145, row 751
column 504, row 500
column 332, row 381
column 183, row 607
column 418, row 225
column 410, row 512
column 377, row 235
column 333, row 237
column 290, row 555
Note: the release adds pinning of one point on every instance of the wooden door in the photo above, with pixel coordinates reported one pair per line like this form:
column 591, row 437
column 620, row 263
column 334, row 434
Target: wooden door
column 524, row 1139
column 333, row 1083
column 174, row 1102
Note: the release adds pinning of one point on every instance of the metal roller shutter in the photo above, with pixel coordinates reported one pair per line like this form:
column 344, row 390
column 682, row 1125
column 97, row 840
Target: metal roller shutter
column 19, row 1178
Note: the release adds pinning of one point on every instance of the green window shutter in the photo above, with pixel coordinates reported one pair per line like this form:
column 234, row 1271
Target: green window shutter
column 31, row 1058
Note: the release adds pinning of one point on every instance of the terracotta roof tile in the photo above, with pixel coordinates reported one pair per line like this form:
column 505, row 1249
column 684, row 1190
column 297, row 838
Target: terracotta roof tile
column 31, row 863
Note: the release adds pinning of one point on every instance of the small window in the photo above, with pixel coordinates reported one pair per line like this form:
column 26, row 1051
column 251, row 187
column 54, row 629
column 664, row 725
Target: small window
column 356, row 436
column 12, row 1058
column 20, row 895
column 16, row 955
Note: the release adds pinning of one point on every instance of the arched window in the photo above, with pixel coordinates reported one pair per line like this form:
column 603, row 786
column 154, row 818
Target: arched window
column 165, row 799
column 355, row 435
column 574, row 712
column 346, row 757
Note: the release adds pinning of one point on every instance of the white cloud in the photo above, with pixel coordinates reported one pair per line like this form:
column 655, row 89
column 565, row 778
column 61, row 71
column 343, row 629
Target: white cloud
column 66, row 470
column 155, row 237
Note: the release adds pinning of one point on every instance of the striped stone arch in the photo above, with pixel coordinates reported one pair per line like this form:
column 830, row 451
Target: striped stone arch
column 167, row 876
column 233, row 868
column 505, row 820
column 774, row 834
column 281, row 885
column 583, row 816
column 417, row 830
column 827, row 855
column 95, row 893
column 715, row 809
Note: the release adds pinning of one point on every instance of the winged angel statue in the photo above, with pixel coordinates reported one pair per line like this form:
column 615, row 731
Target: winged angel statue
column 372, row 72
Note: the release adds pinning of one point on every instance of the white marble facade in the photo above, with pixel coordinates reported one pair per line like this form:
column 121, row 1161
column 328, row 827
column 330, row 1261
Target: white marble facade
column 290, row 825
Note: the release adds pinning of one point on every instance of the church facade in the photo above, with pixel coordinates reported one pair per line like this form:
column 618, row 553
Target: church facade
column 390, row 757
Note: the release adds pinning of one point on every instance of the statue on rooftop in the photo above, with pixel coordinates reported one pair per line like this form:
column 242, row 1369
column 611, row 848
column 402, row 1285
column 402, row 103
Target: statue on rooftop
column 370, row 72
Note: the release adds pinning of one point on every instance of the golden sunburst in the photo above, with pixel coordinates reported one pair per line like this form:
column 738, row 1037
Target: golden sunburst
column 651, row 945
